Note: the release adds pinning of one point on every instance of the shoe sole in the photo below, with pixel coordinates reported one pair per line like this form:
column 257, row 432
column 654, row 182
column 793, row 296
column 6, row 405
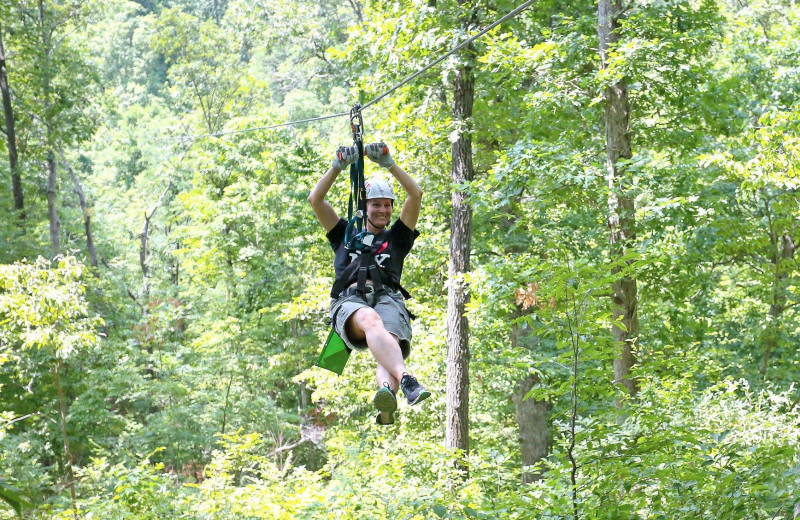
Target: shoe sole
column 421, row 397
column 386, row 404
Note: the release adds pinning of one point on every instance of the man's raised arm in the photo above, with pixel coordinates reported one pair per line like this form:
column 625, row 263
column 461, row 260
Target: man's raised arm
column 325, row 213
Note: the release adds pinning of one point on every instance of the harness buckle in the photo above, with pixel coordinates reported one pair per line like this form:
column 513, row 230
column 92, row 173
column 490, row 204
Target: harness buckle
column 353, row 291
column 362, row 240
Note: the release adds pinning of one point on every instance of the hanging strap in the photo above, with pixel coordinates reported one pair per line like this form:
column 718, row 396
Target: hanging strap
column 357, row 204
column 367, row 260
column 357, row 168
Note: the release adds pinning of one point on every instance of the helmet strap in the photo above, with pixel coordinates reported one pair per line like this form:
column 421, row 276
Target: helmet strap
column 376, row 227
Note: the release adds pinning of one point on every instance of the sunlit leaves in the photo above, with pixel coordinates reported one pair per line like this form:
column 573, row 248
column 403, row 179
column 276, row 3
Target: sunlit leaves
column 205, row 70
column 44, row 308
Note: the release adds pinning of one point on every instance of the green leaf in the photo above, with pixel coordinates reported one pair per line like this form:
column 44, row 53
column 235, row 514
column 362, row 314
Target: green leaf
column 13, row 498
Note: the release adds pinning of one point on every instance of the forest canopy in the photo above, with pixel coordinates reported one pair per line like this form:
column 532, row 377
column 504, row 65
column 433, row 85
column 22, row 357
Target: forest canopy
column 606, row 285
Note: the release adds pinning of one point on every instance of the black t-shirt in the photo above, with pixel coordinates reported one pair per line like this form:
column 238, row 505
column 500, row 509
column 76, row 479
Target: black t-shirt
column 391, row 247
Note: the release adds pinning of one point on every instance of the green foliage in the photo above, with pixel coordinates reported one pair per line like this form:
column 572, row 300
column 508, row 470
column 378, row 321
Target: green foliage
column 12, row 497
column 44, row 309
column 186, row 367
column 202, row 69
column 46, row 327
column 700, row 451
column 137, row 490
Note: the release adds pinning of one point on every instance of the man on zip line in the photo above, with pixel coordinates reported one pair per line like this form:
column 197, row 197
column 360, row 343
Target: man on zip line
column 370, row 312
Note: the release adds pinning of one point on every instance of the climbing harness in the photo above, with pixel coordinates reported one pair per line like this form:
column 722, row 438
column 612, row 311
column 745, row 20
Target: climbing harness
column 356, row 236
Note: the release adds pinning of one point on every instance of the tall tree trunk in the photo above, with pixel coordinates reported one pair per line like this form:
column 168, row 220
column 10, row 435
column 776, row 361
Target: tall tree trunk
column 458, row 355
column 143, row 239
column 87, row 225
column 144, row 304
column 16, row 180
column 783, row 253
column 621, row 216
column 52, row 213
column 52, row 174
column 533, row 418
column 533, row 415
column 62, row 409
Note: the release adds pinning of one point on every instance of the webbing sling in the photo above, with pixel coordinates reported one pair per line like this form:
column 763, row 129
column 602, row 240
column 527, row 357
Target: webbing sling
column 357, row 203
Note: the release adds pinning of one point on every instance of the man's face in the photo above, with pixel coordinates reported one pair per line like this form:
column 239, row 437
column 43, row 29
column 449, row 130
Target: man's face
column 379, row 212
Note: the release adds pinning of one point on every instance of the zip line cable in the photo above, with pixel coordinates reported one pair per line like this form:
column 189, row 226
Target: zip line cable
column 424, row 69
column 243, row 130
column 411, row 77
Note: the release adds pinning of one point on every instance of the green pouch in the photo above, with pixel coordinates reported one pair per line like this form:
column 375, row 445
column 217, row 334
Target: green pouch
column 334, row 354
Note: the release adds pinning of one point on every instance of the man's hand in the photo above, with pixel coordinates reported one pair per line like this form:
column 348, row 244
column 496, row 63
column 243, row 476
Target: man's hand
column 344, row 157
column 379, row 153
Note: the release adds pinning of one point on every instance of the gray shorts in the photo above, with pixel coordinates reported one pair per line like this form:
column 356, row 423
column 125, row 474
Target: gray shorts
column 390, row 307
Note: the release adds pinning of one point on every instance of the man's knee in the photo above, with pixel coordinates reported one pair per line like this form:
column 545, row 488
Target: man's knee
column 366, row 318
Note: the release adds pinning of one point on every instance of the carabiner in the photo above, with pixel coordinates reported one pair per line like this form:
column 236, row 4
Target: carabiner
column 357, row 123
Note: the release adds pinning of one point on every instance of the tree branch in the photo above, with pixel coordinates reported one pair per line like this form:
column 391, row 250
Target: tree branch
column 84, row 209
column 146, row 229
column 133, row 297
column 287, row 447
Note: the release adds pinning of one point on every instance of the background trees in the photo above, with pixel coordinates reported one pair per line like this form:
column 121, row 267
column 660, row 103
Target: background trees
column 182, row 357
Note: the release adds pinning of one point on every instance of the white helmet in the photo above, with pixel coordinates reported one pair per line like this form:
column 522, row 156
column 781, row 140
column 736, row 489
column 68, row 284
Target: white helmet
column 378, row 189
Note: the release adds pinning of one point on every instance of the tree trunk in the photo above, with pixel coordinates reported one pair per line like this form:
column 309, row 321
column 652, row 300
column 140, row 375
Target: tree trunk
column 458, row 355
column 16, row 180
column 621, row 216
column 84, row 209
column 145, row 296
column 143, row 238
column 52, row 175
column 784, row 248
column 533, row 417
column 52, row 213
column 62, row 409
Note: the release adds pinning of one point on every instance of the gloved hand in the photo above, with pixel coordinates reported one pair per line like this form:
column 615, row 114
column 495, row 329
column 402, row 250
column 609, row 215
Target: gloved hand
column 379, row 153
column 344, row 157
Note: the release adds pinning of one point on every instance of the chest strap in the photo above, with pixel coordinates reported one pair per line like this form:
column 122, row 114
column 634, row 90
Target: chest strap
column 366, row 264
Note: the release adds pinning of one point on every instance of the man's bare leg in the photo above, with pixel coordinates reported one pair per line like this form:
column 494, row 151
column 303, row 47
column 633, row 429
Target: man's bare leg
column 366, row 324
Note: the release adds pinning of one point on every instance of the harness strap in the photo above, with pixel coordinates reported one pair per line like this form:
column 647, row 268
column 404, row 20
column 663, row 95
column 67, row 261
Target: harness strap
column 363, row 266
column 358, row 193
column 366, row 266
column 341, row 283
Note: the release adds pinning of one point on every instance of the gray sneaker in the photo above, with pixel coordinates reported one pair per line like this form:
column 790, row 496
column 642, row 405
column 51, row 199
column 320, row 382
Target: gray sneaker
column 386, row 403
column 413, row 391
